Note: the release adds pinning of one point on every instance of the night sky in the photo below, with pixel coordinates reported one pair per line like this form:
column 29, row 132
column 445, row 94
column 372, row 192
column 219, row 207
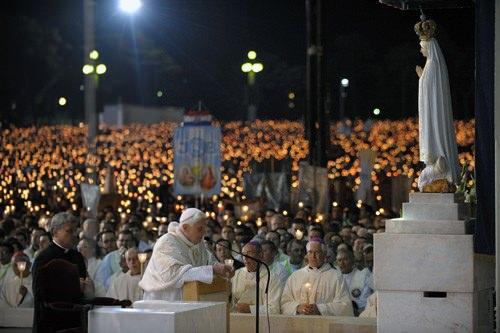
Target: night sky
column 193, row 50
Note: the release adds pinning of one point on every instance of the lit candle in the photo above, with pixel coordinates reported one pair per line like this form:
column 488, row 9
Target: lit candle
column 299, row 234
column 21, row 266
column 229, row 262
column 307, row 287
column 301, row 204
column 142, row 259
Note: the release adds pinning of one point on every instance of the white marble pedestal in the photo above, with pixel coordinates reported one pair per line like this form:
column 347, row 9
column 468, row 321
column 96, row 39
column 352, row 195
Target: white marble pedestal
column 160, row 316
column 424, row 268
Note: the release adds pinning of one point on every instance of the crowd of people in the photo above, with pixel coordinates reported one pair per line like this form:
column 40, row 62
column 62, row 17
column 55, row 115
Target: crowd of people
column 294, row 247
column 42, row 169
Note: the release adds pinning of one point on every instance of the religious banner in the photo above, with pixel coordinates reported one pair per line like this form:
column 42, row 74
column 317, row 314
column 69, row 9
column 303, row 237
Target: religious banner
column 313, row 187
column 400, row 189
column 274, row 186
column 365, row 192
column 90, row 198
column 254, row 184
column 197, row 159
column 277, row 190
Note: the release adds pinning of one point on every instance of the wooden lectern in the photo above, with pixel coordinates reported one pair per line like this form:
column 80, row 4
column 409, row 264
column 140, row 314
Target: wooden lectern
column 218, row 291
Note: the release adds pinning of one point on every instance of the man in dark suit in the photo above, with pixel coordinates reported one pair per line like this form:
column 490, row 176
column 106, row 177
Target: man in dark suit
column 63, row 228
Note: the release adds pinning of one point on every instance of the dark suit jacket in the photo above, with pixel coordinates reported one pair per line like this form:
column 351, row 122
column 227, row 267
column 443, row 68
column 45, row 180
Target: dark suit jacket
column 41, row 322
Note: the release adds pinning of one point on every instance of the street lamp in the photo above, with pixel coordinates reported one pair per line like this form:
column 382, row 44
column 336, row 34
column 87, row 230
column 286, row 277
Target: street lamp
column 90, row 67
column 130, row 6
column 251, row 67
column 62, row 101
column 376, row 111
column 344, row 83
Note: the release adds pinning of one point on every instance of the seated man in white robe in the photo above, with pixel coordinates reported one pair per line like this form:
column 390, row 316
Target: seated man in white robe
column 6, row 252
column 244, row 282
column 126, row 285
column 358, row 282
column 87, row 248
column 13, row 294
column 110, row 264
column 181, row 256
column 297, row 252
column 270, row 257
column 316, row 289
column 275, row 237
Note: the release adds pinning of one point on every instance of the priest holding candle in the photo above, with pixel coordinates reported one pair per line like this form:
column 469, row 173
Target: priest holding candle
column 181, row 256
column 16, row 291
column 316, row 289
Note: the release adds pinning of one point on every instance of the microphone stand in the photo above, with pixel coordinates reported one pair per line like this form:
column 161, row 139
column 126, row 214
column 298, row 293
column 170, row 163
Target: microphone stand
column 257, row 281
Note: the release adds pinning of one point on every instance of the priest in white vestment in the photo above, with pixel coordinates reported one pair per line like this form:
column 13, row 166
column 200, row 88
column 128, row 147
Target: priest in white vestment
column 87, row 248
column 6, row 252
column 357, row 281
column 316, row 289
column 13, row 294
column 244, row 282
column 126, row 285
column 270, row 257
column 181, row 256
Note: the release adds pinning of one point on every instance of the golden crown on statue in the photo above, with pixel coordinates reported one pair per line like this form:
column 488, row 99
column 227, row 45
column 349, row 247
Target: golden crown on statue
column 426, row 29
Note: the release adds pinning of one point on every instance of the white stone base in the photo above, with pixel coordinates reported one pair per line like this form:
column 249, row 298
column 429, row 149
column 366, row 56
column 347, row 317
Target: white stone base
column 410, row 312
column 440, row 227
column 412, row 262
column 436, row 198
column 432, row 211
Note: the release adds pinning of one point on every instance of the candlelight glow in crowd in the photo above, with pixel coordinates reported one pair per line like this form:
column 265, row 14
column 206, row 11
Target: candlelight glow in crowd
column 42, row 169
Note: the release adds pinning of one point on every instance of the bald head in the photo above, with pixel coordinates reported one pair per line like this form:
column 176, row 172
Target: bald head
column 252, row 249
column 132, row 260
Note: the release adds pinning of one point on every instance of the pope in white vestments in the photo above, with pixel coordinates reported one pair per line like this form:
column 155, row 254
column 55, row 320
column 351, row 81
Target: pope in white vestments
column 244, row 282
column 126, row 285
column 181, row 256
column 316, row 289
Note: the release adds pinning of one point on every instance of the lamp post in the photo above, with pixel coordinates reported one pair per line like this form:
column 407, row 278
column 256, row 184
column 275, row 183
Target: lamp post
column 88, row 68
column 251, row 67
column 344, row 83
column 91, row 69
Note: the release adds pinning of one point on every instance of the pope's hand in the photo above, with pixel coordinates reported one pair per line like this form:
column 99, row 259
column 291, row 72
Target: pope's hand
column 222, row 270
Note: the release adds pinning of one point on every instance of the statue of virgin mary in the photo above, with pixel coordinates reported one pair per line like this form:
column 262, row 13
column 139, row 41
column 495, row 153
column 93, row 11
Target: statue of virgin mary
column 437, row 138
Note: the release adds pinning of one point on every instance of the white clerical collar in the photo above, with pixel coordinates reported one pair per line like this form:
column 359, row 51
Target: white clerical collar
column 252, row 275
column 62, row 247
column 184, row 238
column 316, row 269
